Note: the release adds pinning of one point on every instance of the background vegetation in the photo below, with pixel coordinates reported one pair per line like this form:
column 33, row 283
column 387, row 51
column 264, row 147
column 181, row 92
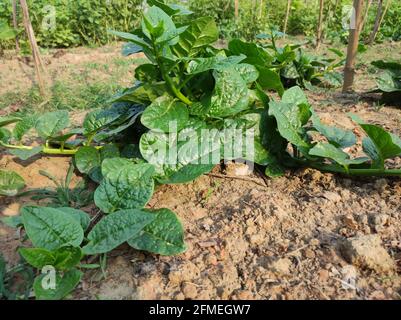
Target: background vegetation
column 85, row 22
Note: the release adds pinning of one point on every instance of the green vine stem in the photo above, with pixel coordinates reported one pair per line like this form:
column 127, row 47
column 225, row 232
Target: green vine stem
column 46, row 149
column 356, row 172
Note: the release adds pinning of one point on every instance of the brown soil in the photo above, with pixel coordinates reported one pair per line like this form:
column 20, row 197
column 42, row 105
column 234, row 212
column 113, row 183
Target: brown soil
column 254, row 238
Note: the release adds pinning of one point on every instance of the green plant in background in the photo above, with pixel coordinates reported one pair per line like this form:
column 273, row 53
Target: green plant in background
column 295, row 67
column 389, row 81
column 6, row 34
column 201, row 90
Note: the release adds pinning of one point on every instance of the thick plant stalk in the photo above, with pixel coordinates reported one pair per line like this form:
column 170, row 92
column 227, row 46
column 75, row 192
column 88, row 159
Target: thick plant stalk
column 353, row 41
column 34, row 46
column 287, row 15
column 320, row 24
column 373, row 36
column 15, row 25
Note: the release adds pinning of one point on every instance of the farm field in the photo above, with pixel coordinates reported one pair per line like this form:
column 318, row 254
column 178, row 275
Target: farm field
column 200, row 150
column 247, row 237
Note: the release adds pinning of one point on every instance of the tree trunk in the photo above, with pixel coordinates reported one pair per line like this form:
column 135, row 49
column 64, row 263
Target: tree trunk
column 377, row 21
column 34, row 46
column 15, row 25
column 287, row 15
column 320, row 25
column 349, row 70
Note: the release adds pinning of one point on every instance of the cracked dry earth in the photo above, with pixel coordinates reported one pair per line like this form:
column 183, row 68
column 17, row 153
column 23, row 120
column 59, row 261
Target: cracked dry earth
column 307, row 235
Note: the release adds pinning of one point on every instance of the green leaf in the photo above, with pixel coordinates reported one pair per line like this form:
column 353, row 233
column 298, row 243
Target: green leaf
column 143, row 93
column 5, row 135
column 336, row 136
column 79, row 215
column 289, row 123
column 158, row 25
column 127, row 187
column 274, row 170
column 248, row 72
column 165, row 114
column 64, row 285
column 147, row 73
column 4, row 121
column 230, row 95
column 255, row 55
column 334, row 79
column 380, row 144
column 164, row 236
column 170, row 9
column 295, row 95
column 187, row 174
column 200, row 33
column 87, row 158
column 270, row 80
column 50, row 124
column 387, row 82
column 98, row 119
column 67, row 258
column 22, row 127
column 130, row 49
column 327, row 150
column 115, row 229
column 25, row 154
column 37, row 257
column 10, row 183
column 200, row 65
column 50, row 228
column 130, row 37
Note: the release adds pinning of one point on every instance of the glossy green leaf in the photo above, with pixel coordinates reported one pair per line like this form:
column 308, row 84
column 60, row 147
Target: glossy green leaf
column 22, row 127
column 10, row 183
column 336, row 136
column 25, row 154
column 327, row 150
column 200, row 33
column 248, row 72
column 200, row 65
column 37, row 257
column 63, row 286
column 87, row 158
column 187, row 174
column 255, row 55
column 270, row 80
column 165, row 114
column 289, row 122
column 50, row 124
column 127, row 187
column 230, row 95
column 379, row 145
column 164, row 235
column 79, row 215
column 50, row 228
column 115, row 229
column 67, row 258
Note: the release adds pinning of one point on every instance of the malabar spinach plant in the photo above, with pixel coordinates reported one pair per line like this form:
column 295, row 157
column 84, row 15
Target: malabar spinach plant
column 389, row 81
column 183, row 98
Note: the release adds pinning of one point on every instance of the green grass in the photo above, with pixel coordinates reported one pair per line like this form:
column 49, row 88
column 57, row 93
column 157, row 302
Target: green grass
column 86, row 86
